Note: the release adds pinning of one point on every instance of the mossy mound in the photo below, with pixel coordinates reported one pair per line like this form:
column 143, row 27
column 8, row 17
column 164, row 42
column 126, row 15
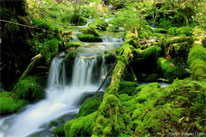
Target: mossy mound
column 180, row 31
column 73, row 44
column 163, row 110
column 170, row 69
column 81, row 126
column 91, row 104
column 89, row 38
column 197, row 62
column 8, row 104
column 127, row 87
column 177, row 46
column 30, row 88
column 90, row 30
column 99, row 24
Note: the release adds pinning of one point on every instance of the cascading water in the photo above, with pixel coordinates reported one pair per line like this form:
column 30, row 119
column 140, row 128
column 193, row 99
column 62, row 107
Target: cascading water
column 63, row 97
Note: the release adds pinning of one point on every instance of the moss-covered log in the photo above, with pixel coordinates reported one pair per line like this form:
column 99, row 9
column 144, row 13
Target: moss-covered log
column 112, row 119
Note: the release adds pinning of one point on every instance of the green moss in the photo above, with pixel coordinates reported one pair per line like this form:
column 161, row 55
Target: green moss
column 90, row 30
column 89, row 38
column 152, row 52
column 168, row 68
column 73, row 44
column 50, row 49
column 164, row 23
column 59, row 131
column 81, row 126
column 172, row 31
column 184, row 30
column 30, row 88
column 124, row 97
column 197, row 61
column 127, row 87
column 10, row 105
column 90, row 105
column 99, row 24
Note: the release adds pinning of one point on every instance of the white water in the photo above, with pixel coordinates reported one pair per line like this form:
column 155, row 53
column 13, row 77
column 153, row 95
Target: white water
column 61, row 97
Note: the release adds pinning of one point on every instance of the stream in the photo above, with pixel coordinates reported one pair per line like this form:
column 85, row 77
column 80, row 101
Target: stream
column 63, row 97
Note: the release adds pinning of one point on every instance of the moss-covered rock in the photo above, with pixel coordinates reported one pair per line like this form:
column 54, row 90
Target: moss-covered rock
column 169, row 70
column 127, row 87
column 8, row 104
column 164, row 110
column 99, row 24
column 73, row 44
column 90, row 30
column 30, row 88
column 177, row 46
column 91, row 104
column 197, row 61
column 81, row 126
column 89, row 38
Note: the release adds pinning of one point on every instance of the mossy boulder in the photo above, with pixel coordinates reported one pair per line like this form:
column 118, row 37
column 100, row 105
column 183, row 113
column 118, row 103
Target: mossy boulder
column 81, row 126
column 30, row 88
column 168, row 68
column 127, row 87
column 8, row 104
column 155, row 109
column 90, row 30
column 177, row 46
column 91, row 104
column 73, row 44
column 197, row 62
column 89, row 38
column 99, row 24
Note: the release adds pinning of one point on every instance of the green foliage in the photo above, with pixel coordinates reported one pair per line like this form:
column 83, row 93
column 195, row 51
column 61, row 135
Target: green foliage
column 8, row 104
column 89, row 38
column 197, row 52
column 13, row 28
column 90, row 105
column 81, row 126
column 117, row 4
column 90, row 30
column 184, row 30
column 30, row 88
column 172, row 31
column 165, row 23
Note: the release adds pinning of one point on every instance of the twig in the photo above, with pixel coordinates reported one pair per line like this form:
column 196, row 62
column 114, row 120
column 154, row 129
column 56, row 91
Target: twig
column 106, row 77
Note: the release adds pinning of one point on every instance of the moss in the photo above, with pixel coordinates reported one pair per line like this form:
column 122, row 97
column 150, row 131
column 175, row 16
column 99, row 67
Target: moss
column 89, row 38
column 124, row 97
column 184, row 30
column 150, row 52
column 197, row 62
column 172, row 31
column 9, row 105
column 81, row 126
column 90, row 105
column 59, row 131
column 160, row 30
column 164, row 23
column 50, row 49
column 168, row 68
column 127, row 87
column 73, row 44
column 99, row 24
column 90, row 30
column 30, row 88
column 177, row 46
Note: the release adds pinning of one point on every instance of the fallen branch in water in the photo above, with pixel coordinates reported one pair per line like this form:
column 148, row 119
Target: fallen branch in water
column 110, row 71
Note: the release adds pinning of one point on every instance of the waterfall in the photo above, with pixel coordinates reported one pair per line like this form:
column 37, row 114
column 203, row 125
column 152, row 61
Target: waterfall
column 62, row 97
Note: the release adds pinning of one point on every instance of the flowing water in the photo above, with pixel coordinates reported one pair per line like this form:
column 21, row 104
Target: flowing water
column 63, row 97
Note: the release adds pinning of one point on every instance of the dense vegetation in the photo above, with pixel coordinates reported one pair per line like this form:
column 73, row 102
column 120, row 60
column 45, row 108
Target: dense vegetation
column 164, row 41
